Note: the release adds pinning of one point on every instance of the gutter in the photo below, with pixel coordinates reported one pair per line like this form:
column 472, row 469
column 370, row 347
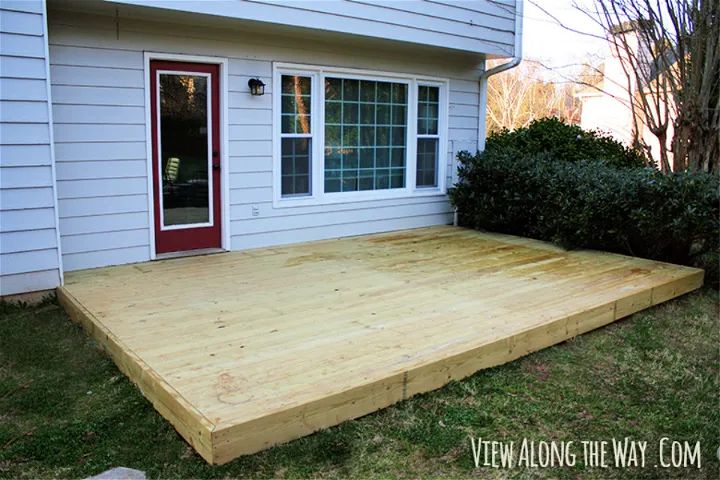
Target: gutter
column 517, row 58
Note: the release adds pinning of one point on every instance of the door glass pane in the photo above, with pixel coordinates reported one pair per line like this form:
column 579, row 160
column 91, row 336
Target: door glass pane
column 184, row 149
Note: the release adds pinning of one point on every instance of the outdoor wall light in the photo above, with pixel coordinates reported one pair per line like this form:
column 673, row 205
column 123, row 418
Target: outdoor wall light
column 257, row 87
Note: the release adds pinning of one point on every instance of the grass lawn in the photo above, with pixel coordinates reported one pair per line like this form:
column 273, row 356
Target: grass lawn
column 66, row 411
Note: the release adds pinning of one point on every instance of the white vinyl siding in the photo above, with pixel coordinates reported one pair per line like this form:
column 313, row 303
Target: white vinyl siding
column 99, row 114
column 102, row 175
column 29, row 258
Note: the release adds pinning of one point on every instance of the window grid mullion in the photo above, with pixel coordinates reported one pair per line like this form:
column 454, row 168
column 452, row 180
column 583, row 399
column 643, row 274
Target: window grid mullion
column 296, row 135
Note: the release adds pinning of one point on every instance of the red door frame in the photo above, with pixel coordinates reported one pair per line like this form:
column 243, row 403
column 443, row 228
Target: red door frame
column 193, row 238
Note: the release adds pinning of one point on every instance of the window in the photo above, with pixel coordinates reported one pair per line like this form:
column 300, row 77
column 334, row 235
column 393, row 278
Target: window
column 428, row 137
column 344, row 135
column 296, row 135
column 365, row 134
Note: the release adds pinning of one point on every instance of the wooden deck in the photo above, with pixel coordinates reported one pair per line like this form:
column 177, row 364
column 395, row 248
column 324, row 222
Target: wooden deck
column 240, row 351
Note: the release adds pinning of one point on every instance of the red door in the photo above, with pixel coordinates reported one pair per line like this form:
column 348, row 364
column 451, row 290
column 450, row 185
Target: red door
column 184, row 99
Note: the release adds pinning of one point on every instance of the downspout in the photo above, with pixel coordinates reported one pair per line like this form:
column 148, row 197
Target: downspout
column 482, row 101
column 517, row 58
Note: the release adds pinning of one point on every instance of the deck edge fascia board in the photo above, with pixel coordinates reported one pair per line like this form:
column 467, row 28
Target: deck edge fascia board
column 685, row 284
column 188, row 421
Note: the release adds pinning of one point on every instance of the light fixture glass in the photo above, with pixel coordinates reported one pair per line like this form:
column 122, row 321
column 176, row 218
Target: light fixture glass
column 257, row 87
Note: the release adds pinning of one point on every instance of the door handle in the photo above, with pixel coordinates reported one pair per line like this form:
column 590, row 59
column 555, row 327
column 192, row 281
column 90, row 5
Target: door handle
column 216, row 166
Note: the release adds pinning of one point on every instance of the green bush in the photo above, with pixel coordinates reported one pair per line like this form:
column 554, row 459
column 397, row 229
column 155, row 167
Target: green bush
column 639, row 211
column 570, row 143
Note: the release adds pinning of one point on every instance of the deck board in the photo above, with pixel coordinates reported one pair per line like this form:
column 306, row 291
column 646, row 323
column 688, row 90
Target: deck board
column 244, row 350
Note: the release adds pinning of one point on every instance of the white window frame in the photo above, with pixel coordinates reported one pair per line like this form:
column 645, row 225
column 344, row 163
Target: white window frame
column 313, row 135
column 317, row 194
column 442, row 126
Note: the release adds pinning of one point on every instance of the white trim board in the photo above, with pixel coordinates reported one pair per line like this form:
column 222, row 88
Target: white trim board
column 51, row 131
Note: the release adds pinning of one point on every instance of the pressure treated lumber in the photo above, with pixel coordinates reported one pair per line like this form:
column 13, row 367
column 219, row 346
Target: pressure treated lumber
column 241, row 351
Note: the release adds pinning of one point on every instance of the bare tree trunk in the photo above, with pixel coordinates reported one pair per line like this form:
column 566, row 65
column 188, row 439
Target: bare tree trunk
column 664, row 157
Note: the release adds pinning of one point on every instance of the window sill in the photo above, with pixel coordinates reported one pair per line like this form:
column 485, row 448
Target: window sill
column 357, row 197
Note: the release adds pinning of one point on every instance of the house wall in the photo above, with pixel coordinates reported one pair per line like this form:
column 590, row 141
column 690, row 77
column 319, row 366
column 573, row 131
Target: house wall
column 485, row 26
column 29, row 258
column 609, row 108
column 608, row 114
column 98, row 104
